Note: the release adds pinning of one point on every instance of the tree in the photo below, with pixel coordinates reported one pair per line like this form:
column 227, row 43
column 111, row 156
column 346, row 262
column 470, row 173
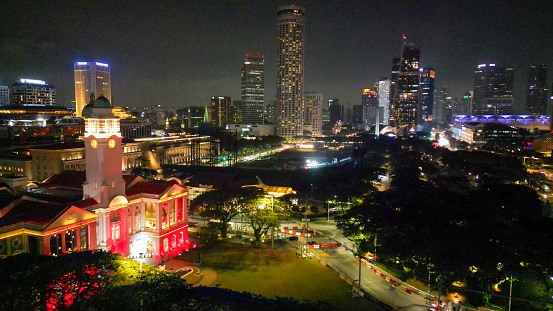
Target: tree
column 261, row 217
column 225, row 204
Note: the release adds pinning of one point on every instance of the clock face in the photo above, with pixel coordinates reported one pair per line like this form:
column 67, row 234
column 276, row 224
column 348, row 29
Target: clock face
column 111, row 143
column 94, row 143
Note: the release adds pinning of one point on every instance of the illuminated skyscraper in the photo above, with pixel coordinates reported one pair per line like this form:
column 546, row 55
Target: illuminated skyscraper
column 406, row 96
column 253, row 88
column 313, row 112
column 440, row 104
column 536, row 92
column 493, row 89
column 221, row 110
column 384, row 89
column 289, row 93
column 31, row 92
column 426, row 96
column 90, row 77
column 370, row 106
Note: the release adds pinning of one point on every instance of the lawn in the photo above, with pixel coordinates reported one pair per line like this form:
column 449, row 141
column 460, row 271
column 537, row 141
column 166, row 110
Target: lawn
column 274, row 273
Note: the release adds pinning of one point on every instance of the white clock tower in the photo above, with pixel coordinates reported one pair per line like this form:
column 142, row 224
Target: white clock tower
column 103, row 152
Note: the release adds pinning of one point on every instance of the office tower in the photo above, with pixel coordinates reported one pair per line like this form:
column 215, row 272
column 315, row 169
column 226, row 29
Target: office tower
column 290, row 60
column 90, row 78
column 326, row 116
column 357, row 115
column 335, row 110
column 313, row 112
column 235, row 115
column 448, row 111
column 426, row 97
column 384, row 89
column 467, row 103
column 493, row 89
column 536, row 92
column 192, row 116
column 396, row 65
column 253, row 88
column 31, row 92
column 370, row 106
column 440, row 103
column 406, row 97
column 269, row 113
column 220, row 110
column 4, row 95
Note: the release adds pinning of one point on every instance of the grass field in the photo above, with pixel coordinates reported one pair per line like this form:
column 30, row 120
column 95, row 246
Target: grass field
column 274, row 273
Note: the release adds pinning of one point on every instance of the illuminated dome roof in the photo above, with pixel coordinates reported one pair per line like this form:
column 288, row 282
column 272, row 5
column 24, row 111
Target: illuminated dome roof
column 543, row 143
column 87, row 110
column 102, row 102
column 101, row 108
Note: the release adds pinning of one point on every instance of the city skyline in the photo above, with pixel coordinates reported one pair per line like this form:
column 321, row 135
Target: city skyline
column 152, row 48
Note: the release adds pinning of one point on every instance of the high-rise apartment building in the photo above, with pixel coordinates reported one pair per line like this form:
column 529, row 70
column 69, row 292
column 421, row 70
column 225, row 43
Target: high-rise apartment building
column 406, row 97
column 461, row 106
column 448, row 111
column 31, row 92
column 221, row 110
column 253, row 88
column 290, row 67
column 493, row 89
column 335, row 110
column 4, row 95
column 90, row 77
column 313, row 112
column 440, row 104
column 426, row 96
column 384, row 89
column 536, row 92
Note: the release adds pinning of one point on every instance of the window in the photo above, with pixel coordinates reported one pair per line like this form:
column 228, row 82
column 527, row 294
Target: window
column 173, row 211
column 55, row 245
column 70, row 241
column 137, row 221
column 150, row 215
column 84, row 238
column 115, row 230
column 166, row 245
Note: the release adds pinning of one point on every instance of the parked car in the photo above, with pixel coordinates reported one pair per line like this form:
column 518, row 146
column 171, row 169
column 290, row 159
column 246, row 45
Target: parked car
column 293, row 238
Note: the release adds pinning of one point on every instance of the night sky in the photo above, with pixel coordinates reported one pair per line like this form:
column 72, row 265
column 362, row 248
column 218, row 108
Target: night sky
column 178, row 54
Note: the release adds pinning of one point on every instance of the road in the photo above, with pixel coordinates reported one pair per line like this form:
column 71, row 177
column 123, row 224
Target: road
column 343, row 259
column 347, row 264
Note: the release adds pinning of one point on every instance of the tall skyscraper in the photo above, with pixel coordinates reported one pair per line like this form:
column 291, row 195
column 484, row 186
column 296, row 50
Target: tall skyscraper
column 370, row 106
column 290, row 60
column 384, row 88
column 406, row 96
column 536, row 92
column 221, row 110
column 426, row 96
column 493, row 89
column 440, row 104
column 31, row 92
column 90, row 77
column 4, row 95
column 269, row 113
column 335, row 110
column 253, row 88
column 313, row 112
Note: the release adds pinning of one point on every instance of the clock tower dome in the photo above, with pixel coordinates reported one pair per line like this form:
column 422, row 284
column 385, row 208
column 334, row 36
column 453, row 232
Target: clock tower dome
column 103, row 153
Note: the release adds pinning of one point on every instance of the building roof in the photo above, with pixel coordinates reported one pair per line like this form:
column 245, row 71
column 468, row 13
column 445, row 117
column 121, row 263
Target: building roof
column 61, row 146
column 217, row 180
column 66, row 179
column 543, row 143
column 33, row 212
column 155, row 188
